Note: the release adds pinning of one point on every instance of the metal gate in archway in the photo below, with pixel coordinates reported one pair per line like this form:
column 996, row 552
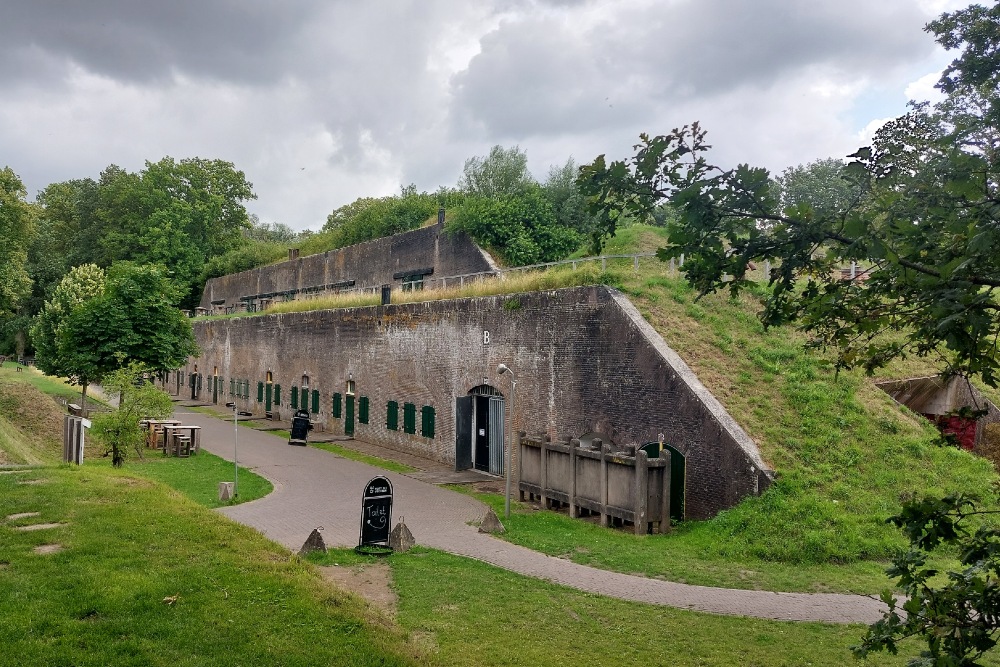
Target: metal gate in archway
column 678, row 476
column 479, row 430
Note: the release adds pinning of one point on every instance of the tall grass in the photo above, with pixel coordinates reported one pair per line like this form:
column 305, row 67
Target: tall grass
column 512, row 283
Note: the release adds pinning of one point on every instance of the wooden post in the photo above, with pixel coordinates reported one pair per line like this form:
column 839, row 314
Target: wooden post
column 67, row 421
column 641, row 491
column 544, row 483
column 574, row 511
column 605, row 450
column 665, row 501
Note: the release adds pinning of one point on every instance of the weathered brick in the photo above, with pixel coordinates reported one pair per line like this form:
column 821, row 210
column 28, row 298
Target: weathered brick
column 584, row 359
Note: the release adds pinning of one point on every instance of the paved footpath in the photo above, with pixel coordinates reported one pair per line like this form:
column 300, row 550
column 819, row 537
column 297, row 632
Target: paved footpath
column 314, row 488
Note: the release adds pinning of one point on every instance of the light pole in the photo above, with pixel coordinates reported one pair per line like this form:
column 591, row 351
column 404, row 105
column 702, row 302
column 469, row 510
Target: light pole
column 236, row 437
column 501, row 369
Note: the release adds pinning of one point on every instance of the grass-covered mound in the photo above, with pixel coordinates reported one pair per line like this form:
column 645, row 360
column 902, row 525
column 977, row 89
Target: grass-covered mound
column 31, row 422
column 142, row 576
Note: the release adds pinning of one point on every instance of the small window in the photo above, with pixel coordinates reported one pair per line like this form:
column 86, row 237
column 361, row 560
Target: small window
column 315, row 401
column 392, row 416
column 409, row 418
column 277, row 394
column 350, row 387
column 337, row 399
column 427, row 421
column 270, row 378
column 363, row 410
column 295, row 397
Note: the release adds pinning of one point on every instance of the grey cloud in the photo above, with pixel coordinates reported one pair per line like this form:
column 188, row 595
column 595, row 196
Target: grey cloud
column 143, row 41
column 539, row 75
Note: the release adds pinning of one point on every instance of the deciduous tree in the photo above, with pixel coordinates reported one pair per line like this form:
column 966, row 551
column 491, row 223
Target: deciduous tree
column 921, row 219
column 138, row 399
column 52, row 354
column 16, row 229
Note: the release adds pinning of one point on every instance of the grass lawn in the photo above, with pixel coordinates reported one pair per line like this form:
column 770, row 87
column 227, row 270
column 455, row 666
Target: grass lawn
column 376, row 461
column 147, row 577
column 686, row 556
column 197, row 476
column 464, row 612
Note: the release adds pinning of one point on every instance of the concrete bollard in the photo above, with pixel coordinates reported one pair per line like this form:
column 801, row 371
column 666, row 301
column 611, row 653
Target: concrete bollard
column 225, row 491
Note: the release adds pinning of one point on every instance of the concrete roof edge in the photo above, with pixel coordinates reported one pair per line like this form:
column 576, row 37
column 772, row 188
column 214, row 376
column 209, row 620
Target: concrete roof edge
column 706, row 397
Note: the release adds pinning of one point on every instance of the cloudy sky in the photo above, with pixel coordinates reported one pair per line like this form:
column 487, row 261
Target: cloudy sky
column 323, row 101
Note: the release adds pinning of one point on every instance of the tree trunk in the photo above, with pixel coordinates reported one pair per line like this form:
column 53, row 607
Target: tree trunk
column 20, row 343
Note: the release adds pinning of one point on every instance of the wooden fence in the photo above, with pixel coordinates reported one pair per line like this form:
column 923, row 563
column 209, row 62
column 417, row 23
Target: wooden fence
column 632, row 488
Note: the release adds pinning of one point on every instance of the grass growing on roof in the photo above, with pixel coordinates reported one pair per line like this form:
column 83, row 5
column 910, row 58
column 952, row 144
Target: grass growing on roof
column 588, row 273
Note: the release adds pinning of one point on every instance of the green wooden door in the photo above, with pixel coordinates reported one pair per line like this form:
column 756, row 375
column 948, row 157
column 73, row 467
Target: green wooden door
column 268, row 393
column 349, row 415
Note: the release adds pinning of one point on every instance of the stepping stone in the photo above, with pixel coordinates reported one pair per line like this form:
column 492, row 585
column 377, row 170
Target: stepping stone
column 22, row 515
column 38, row 526
column 43, row 549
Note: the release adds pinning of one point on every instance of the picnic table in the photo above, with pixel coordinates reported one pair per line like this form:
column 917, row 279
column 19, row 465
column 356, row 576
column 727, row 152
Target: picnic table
column 181, row 439
column 155, row 431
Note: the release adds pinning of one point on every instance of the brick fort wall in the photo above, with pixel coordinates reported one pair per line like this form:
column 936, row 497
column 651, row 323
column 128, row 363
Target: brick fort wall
column 584, row 358
column 368, row 264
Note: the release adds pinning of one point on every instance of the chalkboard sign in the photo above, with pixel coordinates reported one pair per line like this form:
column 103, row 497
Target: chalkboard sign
column 376, row 513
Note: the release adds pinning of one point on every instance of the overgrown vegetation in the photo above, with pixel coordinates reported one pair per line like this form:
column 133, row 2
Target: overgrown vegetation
column 588, row 273
column 119, row 429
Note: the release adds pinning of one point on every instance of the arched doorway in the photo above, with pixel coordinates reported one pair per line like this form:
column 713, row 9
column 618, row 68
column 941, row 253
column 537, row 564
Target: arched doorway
column 479, row 430
column 678, row 472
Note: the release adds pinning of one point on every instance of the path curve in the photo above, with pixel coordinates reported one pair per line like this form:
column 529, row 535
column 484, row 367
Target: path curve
column 314, row 488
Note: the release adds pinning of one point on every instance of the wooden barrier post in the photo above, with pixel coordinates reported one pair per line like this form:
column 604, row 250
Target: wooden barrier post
column 605, row 450
column 544, row 483
column 641, row 491
column 665, row 500
column 574, row 511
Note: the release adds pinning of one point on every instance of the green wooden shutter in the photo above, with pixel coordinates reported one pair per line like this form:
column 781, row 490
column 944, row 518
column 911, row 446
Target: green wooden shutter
column 427, row 421
column 260, row 392
column 232, row 386
column 315, row 401
column 277, row 394
column 336, row 405
column 295, row 397
column 392, row 416
column 409, row 418
column 363, row 410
